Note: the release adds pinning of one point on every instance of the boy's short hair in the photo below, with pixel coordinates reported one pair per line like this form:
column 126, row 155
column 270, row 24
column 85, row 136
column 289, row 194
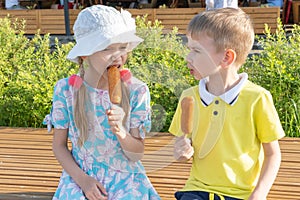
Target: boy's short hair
column 230, row 28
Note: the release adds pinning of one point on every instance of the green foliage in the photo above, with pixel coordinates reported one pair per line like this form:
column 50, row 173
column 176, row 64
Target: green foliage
column 160, row 62
column 28, row 70
column 277, row 68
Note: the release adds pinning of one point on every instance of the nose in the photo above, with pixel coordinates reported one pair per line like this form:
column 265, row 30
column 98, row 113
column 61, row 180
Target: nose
column 117, row 55
column 188, row 58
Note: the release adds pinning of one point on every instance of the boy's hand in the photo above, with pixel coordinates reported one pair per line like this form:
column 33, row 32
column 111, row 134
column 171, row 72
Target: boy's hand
column 183, row 149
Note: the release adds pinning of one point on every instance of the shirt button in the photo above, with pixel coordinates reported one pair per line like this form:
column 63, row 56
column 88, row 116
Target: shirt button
column 215, row 112
column 217, row 102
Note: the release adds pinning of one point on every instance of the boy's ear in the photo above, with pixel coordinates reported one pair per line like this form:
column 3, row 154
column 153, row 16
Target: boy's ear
column 83, row 57
column 229, row 57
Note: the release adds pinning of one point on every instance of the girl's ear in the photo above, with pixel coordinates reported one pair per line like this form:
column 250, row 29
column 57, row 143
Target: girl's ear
column 229, row 57
column 83, row 57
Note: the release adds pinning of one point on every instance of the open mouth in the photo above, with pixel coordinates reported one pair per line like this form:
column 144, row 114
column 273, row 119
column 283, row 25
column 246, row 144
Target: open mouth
column 118, row 66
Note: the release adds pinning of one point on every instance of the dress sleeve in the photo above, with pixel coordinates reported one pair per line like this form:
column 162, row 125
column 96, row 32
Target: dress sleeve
column 140, row 116
column 59, row 115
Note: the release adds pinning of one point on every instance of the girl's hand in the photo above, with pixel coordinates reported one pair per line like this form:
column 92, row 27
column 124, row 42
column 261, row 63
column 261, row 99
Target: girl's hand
column 183, row 149
column 115, row 118
column 92, row 189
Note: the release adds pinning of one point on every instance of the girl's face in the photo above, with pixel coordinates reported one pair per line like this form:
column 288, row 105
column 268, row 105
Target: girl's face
column 115, row 54
column 203, row 60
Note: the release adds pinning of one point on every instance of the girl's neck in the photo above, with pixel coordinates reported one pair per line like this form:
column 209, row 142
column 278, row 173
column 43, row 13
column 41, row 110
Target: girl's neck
column 102, row 83
column 95, row 80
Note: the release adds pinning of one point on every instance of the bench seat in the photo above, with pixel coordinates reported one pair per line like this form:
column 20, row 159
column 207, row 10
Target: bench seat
column 29, row 170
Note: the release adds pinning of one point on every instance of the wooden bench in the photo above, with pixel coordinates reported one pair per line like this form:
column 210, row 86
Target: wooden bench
column 46, row 20
column 28, row 169
column 180, row 17
column 52, row 20
column 296, row 5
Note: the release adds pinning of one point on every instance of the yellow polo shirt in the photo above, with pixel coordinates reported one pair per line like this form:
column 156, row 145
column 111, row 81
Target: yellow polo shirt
column 227, row 135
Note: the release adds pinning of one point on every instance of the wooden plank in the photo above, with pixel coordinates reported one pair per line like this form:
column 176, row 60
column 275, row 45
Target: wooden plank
column 29, row 16
column 179, row 11
column 30, row 171
column 52, row 20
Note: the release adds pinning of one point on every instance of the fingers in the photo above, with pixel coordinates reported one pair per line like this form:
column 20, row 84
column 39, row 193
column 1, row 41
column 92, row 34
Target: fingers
column 96, row 196
column 182, row 141
column 183, row 148
column 115, row 118
column 97, row 193
column 102, row 190
column 92, row 189
column 115, row 115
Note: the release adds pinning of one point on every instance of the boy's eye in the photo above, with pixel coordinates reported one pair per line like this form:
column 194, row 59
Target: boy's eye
column 196, row 50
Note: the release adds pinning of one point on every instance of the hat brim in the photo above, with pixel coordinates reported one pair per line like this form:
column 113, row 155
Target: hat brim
column 94, row 42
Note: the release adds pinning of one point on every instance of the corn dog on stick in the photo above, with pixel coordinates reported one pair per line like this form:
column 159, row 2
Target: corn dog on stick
column 187, row 106
column 114, row 85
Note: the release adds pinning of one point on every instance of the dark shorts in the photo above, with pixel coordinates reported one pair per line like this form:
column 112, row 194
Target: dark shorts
column 197, row 195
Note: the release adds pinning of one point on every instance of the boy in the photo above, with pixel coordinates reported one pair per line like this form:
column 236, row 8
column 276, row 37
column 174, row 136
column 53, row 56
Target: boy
column 234, row 142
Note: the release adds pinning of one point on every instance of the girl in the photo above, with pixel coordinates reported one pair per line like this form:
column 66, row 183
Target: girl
column 107, row 140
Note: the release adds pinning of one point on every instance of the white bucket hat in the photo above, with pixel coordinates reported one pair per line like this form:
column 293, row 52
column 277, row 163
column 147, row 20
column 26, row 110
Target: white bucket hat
column 99, row 26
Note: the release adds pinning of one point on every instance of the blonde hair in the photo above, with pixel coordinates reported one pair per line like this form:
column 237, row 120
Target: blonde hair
column 230, row 28
column 81, row 107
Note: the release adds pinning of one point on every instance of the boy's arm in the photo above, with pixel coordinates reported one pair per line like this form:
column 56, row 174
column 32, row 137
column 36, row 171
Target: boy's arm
column 183, row 149
column 269, row 170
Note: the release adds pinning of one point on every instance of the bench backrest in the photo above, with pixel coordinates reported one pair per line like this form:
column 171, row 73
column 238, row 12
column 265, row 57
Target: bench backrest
column 52, row 21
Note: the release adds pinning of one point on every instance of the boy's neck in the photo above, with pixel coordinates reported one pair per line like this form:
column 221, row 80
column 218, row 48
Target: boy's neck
column 220, row 83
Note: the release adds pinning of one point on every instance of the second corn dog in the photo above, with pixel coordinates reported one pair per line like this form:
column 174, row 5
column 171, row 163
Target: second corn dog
column 114, row 85
column 187, row 106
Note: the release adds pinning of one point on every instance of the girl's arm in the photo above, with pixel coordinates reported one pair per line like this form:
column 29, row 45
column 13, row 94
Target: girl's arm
column 131, row 143
column 91, row 187
column 269, row 170
column 133, row 146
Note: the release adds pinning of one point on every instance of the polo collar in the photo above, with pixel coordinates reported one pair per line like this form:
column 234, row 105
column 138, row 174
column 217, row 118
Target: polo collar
column 230, row 97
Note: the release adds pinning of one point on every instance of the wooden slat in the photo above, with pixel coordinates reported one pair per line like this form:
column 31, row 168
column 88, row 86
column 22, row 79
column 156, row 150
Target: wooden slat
column 180, row 17
column 52, row 20
column 30, row 16
column 28, row 169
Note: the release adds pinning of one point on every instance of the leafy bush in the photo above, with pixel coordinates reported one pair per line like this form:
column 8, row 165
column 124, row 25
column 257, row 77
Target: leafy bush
column 29, row 69
column 160, row 62
column 277, row 68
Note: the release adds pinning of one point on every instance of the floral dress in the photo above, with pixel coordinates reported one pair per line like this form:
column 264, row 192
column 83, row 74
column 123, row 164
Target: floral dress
column 101, row 155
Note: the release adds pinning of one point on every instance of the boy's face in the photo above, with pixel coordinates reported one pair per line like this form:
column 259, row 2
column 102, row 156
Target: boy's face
column 203, row 59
